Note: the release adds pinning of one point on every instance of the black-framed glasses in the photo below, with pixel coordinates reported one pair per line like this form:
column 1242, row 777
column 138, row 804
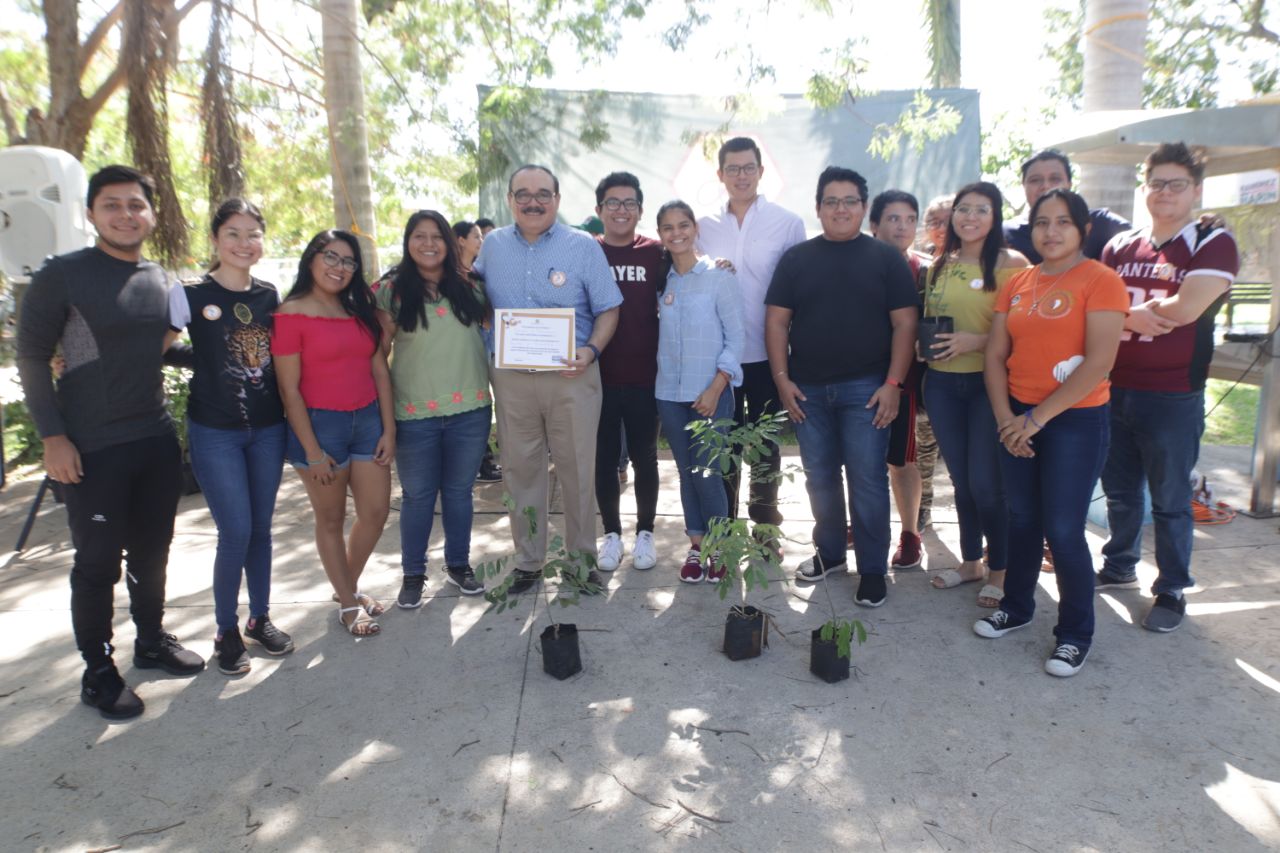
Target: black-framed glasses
column 833, row 203
column 333, row 259
column 1176, row 185
column 616, row 204
column 748, row 169
column 541, row 196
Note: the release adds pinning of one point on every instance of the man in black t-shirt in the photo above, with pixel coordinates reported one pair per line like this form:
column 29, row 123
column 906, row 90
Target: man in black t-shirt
column 839, row 329
column 108, row 437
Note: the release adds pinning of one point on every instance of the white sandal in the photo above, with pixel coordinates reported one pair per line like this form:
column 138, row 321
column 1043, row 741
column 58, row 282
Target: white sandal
column 362, row 625
column 367, row 601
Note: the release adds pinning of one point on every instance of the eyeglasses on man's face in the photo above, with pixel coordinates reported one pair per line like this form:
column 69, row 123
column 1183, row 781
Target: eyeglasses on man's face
column 333, row 259
column 1175, row 186
column 748, row 169
column 541, row 196
column 833, row 203
column 615, row 204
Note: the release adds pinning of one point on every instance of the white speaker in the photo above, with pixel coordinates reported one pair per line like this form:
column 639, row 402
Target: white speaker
column 42, row 212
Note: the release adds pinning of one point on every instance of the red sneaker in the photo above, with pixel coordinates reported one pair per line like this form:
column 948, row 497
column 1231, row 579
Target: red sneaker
column 715, row 568
column 908, row 555
column 692, row 571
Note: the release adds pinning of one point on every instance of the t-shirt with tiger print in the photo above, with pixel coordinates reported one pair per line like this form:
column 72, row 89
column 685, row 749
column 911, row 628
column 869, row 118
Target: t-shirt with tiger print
column 234, row 384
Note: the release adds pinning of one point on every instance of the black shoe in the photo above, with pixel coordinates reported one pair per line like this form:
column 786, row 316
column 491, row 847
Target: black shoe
column 524, row 581
column 997, row 625
column 1165, row 614
column 490, row 472
column 594, row 584
column 232, row 657
column 167, row 654
column 272, row 639
column 104, row 689
column 1066, row 660
column 872, row 591
column 410, row 597
column 1102, row 581
column 464, row 578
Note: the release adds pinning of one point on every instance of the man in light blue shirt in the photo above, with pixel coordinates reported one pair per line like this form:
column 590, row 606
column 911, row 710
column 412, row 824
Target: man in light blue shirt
column 540, row 263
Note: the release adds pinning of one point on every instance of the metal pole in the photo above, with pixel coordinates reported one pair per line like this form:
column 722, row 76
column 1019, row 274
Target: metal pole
column 1266, row 439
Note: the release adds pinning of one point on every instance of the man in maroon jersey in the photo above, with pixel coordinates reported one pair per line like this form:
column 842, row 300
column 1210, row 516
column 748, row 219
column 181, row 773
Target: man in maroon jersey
column 1178, row 273
column 628, row 370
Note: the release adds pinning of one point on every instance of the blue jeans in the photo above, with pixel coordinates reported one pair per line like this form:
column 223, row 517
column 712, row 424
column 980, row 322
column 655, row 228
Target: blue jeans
column 1155, row 439
column 701, row 495
column 965, row 428
column 239, row 473
column 1049, row 497
column 838, row 434
column 438, row 456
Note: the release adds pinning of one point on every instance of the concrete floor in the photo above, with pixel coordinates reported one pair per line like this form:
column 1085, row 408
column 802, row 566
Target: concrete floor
column 444, row 734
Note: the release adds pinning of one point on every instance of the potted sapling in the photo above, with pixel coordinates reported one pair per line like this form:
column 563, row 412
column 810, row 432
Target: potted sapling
column 830, row 646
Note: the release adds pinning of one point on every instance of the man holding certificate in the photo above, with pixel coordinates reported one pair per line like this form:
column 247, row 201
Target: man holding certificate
column 555, row 308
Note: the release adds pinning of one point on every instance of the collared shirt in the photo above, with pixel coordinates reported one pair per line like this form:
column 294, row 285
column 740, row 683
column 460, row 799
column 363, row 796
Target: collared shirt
column 1103, row 225
column 563, row 268
column 699, row 332
column 754, row 248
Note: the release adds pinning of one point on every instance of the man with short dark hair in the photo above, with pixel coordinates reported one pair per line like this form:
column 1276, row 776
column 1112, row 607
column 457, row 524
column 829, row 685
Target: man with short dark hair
column 1178, row 273
column 485, row 225
column 1050, row 169
column 752, row 233
column 107, row 434
column 628, row 372
column 840, row 328
column 539, row 263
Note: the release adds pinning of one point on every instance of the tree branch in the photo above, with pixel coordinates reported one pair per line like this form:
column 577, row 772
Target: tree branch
column 11, row 128
column 98, row 99
column 99, row 32
column 286, row 53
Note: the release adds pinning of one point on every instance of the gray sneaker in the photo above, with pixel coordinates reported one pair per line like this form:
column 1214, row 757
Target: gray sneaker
column 1102, row 581
column 1166, row 614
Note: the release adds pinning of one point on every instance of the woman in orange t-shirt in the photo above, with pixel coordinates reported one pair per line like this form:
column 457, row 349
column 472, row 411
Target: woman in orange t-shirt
column 1052, row 343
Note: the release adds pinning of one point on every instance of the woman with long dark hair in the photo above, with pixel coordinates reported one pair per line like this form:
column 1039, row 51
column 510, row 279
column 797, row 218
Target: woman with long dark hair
column 336, row 388
column 431, row 313
column 235, row 425
column 1052, row 344
column 964, row 284
column 469, row 239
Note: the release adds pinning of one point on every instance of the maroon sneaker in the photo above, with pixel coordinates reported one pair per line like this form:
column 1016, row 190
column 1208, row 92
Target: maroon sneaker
column 908, row 554
column 715, row 568
column 692, row 571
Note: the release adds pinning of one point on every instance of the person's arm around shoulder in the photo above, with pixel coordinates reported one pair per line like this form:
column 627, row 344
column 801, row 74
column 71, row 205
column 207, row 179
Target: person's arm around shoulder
column 1213, row 267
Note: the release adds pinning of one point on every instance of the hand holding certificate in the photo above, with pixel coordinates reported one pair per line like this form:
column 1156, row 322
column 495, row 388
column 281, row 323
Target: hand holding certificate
column 533, row 338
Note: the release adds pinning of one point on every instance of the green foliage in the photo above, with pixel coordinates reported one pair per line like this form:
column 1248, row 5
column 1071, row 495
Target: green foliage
column 925, row 121
column 842, row 632
column 21, row 438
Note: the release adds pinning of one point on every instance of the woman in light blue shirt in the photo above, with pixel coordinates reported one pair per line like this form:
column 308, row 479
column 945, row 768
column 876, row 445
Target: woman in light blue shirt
column 700, row 341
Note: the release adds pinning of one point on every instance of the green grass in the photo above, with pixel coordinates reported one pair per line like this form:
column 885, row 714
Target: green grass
column 1233, row 419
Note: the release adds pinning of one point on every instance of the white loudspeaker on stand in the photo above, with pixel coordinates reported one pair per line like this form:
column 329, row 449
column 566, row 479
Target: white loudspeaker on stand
column 42, row 212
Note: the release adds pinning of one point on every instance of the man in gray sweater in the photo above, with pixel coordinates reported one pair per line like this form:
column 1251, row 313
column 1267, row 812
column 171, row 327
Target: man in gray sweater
column 108, row 437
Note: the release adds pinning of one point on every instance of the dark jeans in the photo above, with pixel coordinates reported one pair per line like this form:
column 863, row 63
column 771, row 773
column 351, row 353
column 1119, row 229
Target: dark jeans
column 757, row 395
column 965, row 429
column 439, row 457
column 239, row 473
column 837, row 434
column 124, row 503
column 701, row 493
column 1155, row 440
column 1049, row 497
column 636, row 410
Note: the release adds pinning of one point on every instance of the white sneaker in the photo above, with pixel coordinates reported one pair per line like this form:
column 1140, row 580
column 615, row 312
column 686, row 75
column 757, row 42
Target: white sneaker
column 643, row 554
column 610, row 552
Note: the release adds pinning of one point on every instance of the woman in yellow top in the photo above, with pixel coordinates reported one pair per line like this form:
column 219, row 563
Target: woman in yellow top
column 963, row 285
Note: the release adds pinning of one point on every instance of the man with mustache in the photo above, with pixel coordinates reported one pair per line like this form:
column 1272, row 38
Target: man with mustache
column 540, row 263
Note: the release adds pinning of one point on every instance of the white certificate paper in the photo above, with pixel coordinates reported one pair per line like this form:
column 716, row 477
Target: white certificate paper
column 533, row 338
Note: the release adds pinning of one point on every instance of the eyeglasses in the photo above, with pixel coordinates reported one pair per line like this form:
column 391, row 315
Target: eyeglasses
column 833, row 203
column 749, row 170
column 333, row 259
column 978, row 209
column 615, row 204
column 1177, row 185
column 541, row 196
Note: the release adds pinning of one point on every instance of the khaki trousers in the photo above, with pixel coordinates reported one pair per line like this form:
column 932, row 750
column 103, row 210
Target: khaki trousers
column 537, row 412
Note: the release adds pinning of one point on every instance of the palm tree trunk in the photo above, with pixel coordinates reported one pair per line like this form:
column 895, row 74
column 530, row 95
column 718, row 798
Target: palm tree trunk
column 348, row 134
column 1115, row 33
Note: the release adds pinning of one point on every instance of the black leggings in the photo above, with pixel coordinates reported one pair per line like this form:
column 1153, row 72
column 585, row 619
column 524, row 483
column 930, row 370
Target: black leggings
column 636, row 409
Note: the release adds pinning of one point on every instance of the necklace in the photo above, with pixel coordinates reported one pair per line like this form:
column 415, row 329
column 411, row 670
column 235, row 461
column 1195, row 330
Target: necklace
column 1036, row 296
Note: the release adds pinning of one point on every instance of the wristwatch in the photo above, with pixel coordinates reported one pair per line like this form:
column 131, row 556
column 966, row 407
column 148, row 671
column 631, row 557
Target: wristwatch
column 594, row 349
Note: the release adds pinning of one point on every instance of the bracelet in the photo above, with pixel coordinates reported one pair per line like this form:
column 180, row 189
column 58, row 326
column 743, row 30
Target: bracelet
column 594, row 349
column 896, row 383
column 780, row 373
column 323, row 456
column 1026, row 417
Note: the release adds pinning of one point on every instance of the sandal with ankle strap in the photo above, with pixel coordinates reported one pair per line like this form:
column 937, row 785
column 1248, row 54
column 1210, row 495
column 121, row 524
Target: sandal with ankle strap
column 370, row 604
column 362, row 625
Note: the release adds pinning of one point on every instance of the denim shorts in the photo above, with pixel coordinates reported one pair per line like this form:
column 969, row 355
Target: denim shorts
column 342, row 435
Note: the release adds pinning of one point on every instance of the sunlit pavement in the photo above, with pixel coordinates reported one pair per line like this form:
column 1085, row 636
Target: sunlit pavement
column 444, row 734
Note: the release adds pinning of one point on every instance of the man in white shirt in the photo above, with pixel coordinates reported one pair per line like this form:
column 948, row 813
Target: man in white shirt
column 752, row 233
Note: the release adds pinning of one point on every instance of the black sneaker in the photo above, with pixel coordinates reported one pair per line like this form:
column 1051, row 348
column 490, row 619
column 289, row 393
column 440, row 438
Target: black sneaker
column 1166, row 614
column 410, row 597
column 464, row 578
column 167, row 654
column 104, row 689
column 266, row 634
column 872, row 591
column 1102, row 581
column 1066, row 660
column 815, row 569
column 524, row 581
column 490, row 472
column 232, row 657
column 997, row 625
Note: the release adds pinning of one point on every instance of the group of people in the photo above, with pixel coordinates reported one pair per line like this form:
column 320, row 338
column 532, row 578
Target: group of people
column 1058, row 367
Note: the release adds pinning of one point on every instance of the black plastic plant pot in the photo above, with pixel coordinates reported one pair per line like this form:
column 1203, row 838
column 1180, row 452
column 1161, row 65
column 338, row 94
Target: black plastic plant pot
column 824, row 659
column 927, row 334
column 560, row 657
column 743, row 633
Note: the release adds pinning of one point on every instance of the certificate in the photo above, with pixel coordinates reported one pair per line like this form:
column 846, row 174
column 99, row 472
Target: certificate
column 533, row 338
